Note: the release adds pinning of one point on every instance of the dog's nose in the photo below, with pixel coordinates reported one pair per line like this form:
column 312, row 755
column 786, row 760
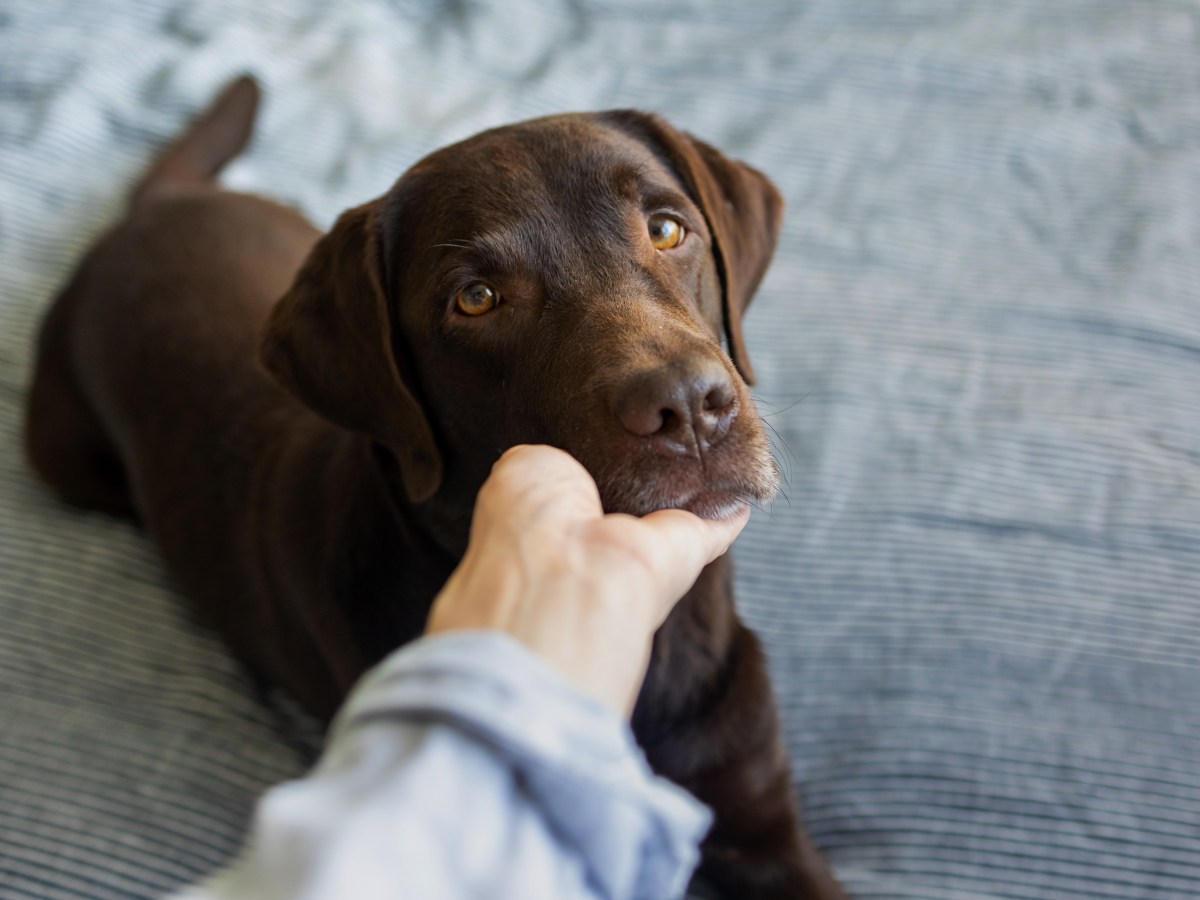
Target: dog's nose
column 680, row 409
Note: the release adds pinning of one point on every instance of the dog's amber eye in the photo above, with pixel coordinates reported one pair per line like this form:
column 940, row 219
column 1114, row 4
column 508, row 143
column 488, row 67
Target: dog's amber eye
column 476, row 299
column 665, row 232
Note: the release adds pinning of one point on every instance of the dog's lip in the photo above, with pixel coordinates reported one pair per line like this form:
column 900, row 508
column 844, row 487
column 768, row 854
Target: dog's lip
column 707, row 503
column 714, row 486
column 715, row 505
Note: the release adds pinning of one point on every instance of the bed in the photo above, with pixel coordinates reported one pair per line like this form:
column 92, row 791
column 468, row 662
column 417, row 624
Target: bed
column 978, row 351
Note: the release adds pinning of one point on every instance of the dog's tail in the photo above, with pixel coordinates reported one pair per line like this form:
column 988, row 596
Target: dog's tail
column 212, row 140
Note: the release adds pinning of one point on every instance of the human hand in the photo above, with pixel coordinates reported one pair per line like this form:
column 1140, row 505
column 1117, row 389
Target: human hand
column 584, row 590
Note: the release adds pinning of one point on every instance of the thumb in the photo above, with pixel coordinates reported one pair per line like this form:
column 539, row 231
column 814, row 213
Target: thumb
column 683, row 544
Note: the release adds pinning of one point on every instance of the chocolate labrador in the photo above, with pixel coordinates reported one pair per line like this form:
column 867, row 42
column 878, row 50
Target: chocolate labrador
column 302, row 422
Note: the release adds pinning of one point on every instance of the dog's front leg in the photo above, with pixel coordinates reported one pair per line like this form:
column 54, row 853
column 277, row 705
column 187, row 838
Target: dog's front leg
column 708, row 720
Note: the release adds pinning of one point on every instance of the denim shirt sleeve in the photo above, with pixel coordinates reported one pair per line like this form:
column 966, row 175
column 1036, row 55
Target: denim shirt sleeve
column 464, row 767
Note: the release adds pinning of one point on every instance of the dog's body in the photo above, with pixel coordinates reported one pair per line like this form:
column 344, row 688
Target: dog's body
column 314, row 522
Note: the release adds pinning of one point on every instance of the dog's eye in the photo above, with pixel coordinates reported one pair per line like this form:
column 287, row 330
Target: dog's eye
column 665, row 232
column 476, row 299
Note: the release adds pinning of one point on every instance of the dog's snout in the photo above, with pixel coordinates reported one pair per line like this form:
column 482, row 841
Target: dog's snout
column 681, row 408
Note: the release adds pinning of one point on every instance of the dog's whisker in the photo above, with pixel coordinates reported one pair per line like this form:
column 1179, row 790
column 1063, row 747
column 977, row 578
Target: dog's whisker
column 778, row 434
column 780, row 439
column 778, row 412
column 792, row 458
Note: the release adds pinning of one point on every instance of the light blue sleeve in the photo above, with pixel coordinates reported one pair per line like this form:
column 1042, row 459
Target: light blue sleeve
column 464, row 767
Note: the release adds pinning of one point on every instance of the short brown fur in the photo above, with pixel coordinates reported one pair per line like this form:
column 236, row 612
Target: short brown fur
column 313, row 515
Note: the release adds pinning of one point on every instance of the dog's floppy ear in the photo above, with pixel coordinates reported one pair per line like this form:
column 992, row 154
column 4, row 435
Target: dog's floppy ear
column 744, row 211
column 329, row 341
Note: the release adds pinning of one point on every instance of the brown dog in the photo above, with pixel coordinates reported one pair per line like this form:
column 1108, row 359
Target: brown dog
column 562, row 281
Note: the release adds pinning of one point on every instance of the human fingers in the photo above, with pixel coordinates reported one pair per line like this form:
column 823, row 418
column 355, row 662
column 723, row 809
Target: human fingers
column 537, row 489
column 688, row 541
column 533, row 481
column 669, row 549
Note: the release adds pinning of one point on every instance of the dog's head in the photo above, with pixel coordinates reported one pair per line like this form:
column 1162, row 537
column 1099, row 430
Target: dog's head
column 567, row 281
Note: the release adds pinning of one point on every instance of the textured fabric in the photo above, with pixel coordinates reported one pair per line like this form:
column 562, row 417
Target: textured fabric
column 463, row 766
column 979, row 347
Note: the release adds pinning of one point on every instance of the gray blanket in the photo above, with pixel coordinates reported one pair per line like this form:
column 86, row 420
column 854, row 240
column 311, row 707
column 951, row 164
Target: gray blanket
column 979, row 349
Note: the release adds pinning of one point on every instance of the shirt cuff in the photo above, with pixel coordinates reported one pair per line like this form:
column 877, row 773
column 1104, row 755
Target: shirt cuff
column 637, row 833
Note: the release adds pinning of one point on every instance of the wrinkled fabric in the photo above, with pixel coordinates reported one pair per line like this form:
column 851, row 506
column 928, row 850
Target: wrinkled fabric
column 463, row 766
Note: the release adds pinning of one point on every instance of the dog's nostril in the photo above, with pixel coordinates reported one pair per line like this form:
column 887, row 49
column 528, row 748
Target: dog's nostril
column 669, row 419
column 641, row 418
column 718, row 399
column 680, row 409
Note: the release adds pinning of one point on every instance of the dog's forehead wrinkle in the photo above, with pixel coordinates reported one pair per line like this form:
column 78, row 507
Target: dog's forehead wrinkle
column 571, row 265
column 554, row 196
column 571, row 157
column 570, row 154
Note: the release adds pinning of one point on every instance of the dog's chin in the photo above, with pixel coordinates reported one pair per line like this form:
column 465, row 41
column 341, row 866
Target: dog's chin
column 705, row 502
column 719, row 486
column 719, row 505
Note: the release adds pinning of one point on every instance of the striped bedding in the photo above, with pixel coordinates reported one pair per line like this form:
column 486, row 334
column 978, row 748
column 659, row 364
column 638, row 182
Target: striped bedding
column 979, row 350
